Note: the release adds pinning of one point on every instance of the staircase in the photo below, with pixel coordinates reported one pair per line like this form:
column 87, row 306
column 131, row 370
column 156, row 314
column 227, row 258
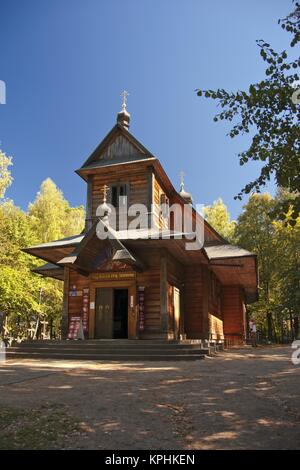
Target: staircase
column 109, row 350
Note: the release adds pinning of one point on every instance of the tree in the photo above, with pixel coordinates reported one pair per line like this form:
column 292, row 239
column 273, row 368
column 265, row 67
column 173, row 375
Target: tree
column 15, row 233
column 24, row 296
column 256, row 232
column 277, row 244
column 5, row 174
column 218, row 216
column 19, row 289
column 292, row 24
column 51, row 215
column 269, row 112
column 288, row 254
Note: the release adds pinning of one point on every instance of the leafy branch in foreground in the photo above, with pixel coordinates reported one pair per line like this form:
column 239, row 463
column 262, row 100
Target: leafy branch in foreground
column 269, row 113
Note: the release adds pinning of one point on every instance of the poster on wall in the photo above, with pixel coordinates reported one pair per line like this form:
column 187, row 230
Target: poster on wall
column 74, row 292
column 85, row 309
column 141, row 307
column 75, row 328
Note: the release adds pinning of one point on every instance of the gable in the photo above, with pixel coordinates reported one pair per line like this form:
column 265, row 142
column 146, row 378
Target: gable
column 119, row 150
column 119, row 146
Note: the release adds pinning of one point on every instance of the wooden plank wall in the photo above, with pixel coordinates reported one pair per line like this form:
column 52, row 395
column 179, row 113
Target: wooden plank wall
column 233, row 313
column 193, row 218
column 75, row 303
column 159, row 221
column 215, row 316
column 214, row 303
column 193, row 301
column 65, row 310
column 175, row 276
column 138, row 185
column 119, row 149
column 150, row 279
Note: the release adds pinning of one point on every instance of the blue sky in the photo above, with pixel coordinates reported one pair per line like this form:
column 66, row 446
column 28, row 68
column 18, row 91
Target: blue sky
column 65, row 63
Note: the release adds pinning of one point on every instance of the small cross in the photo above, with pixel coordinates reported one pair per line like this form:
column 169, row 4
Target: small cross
column 105, row 190
column 124, row 95
column 182, row 175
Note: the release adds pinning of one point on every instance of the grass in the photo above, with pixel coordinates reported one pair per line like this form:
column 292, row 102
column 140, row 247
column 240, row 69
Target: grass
column 46, row 427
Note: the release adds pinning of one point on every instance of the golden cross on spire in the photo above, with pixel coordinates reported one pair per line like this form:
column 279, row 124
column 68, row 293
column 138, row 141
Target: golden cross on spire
column 124, row 95
column 105, row 191
column 182, row 175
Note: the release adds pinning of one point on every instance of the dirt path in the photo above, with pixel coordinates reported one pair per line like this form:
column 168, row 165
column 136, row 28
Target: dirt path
column 239, row 399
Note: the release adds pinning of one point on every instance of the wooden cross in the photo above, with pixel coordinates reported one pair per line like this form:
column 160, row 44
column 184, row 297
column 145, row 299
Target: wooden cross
column 124, row 95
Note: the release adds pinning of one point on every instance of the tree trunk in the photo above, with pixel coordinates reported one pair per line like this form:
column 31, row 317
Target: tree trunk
column 270, row 326
column 51, row 328
column 292, row 327
column 296, row 327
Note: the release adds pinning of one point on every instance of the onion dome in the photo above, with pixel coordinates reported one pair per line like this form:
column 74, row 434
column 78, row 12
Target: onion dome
column 184, row 194
column 123, row 117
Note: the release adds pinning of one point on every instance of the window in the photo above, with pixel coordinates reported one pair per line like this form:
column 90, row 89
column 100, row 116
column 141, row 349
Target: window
column 118, row 194
column 164, row 206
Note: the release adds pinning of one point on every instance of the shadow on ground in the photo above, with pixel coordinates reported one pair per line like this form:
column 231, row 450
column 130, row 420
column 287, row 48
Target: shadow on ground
column 243, row 399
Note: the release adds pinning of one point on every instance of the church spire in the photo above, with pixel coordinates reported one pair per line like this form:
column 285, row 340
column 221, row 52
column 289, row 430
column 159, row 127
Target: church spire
column 183, row 193
column 123, row 116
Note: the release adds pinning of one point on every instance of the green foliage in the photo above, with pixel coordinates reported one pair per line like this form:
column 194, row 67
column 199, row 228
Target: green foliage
column 277, row 244
column 15, row 233
column 267, row 110
column 218, row 217
column 5, row 175
column 25, row 296
column 292, row 24
column 288, row 253
column 51, row 216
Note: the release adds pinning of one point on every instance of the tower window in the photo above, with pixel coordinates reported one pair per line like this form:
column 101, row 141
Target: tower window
column 164, row 204
column 118, row 193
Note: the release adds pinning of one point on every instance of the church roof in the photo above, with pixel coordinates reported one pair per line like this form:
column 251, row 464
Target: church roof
column 119, row 146
column 232, row 265
column 50, row 270
column 73, row 240
column 91, row 252
column 219, row 251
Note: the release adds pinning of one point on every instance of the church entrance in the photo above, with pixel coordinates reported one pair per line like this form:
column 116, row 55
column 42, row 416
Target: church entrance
column 111, row 319
column 120, row 320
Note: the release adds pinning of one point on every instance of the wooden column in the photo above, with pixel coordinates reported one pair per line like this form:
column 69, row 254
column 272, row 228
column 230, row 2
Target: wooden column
column 88, row 217
column 150, row 198
column 65, row 310
column 205, row 286
column 164, row 293
column 92, row 308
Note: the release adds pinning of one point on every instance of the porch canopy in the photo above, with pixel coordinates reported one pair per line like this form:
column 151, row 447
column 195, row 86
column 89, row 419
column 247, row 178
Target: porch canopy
column 88, row 253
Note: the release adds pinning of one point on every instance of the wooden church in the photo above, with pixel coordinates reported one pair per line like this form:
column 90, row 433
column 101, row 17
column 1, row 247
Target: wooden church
column 148, row 286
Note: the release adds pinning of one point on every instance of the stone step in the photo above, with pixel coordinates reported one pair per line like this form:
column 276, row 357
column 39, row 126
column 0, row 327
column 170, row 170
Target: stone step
column 94, row 342
column 80, row 345
column 107, row 350
column 113, row 341
column 95, row 351
column 104, row 357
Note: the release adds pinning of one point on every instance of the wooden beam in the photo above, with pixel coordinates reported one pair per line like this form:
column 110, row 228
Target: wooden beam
column 163, row 292
column 65, row 310
column 205, row 287
column 150, row 196
column 89, row 215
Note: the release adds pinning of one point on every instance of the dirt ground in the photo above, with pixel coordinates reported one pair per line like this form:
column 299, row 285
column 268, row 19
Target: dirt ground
column 242, row 399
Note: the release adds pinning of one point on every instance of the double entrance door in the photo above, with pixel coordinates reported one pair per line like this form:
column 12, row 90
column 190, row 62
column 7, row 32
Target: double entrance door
column 111, row 319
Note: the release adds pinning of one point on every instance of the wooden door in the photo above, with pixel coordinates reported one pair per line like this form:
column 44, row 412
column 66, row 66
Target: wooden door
column 104, row 313
column 176, row 302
